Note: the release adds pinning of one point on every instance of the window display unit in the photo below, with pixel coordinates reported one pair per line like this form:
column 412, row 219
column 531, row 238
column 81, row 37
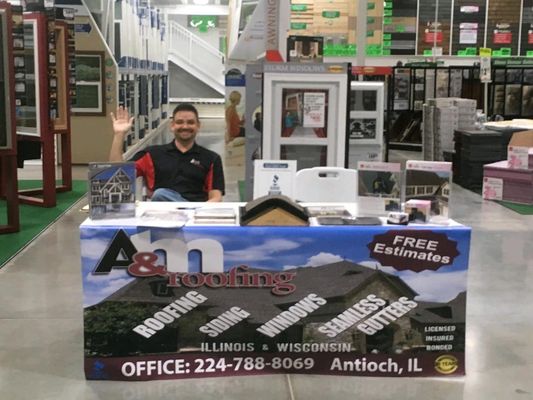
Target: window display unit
column 305, row 113
column 365, row 132
column 89, row 83
column 366, row 113
column 34, row 123
column 8, row 157
column 60, row 112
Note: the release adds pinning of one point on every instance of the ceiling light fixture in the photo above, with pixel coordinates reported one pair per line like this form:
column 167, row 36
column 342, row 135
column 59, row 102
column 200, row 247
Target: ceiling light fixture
column 200, row 2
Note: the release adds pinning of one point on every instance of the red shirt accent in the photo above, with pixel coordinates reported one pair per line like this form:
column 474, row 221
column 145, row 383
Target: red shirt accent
column 208, row 185
column 144, row 167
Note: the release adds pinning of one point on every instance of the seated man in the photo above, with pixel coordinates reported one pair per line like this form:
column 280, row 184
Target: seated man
column 180, row 170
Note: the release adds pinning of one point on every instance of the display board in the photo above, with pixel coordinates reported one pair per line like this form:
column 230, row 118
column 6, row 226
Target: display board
column 411, row 27
column 434, row 27
column 468, row 27
column 526, row 40
column 232, row 300
column 400, row 27
column 503, row 27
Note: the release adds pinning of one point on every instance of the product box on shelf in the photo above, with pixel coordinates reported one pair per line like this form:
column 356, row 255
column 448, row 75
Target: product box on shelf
column 501, row 182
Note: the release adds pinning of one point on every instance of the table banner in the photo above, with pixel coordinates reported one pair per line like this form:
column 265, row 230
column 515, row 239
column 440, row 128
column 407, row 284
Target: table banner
column 227, row 300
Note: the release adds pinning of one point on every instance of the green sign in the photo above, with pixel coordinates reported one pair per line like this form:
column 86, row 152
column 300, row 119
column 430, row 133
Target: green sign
column 387, row 36
column 331, row 14
column 388, row 4
column 373, row 50
column 370, row 6
column 298, row 25
column 387, row 13
column 400, row 28
column 203, row 22
column 298, row 7
column 369, row 33
column 370, row 20
column 506, row 51
column 387, row 21
column 428, row 52
column 529, row 53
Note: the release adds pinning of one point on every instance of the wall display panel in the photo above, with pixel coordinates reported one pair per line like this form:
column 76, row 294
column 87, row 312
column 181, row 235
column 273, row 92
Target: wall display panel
column 468, row 27
column 499, row 99
column 434, row 26
column 503, row 27
column 526, row 42
column 335, row 21
column 399, row 27
column 401, row 85
column 374, row 27
column 513, row 95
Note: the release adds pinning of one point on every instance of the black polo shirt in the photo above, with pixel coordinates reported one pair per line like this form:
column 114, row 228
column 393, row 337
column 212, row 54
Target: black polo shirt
column 192, row 174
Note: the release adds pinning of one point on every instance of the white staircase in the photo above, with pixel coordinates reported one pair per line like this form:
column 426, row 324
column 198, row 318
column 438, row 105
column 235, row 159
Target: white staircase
column 196, row 56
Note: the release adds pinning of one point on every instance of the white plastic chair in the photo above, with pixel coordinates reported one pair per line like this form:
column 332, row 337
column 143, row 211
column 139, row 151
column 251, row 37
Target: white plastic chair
column 326, row 184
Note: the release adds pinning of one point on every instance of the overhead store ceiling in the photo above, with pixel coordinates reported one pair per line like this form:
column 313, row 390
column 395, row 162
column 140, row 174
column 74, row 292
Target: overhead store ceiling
column 174, row 3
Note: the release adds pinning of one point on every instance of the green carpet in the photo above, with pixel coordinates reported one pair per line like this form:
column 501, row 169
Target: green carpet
column 522, row 209
column 33, row 219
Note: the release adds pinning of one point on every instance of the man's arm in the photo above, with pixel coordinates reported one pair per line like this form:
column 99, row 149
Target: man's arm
column 121, row 125
column 214, row 196
column 218, row 187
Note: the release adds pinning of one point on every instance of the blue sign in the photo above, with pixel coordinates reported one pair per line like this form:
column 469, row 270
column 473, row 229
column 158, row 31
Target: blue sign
column 83, row 28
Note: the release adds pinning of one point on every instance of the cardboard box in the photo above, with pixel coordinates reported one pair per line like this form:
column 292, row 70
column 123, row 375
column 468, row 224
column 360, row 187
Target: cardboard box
column 517, row 184
column 520, row 150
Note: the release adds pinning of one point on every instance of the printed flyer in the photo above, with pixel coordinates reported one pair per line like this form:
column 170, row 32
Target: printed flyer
column 204, row 301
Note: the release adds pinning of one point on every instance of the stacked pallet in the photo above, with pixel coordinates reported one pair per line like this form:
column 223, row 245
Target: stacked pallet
column 441, row 118
column 474, row 149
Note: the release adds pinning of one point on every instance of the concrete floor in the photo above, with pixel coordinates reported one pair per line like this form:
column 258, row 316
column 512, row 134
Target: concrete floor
column 41, row 336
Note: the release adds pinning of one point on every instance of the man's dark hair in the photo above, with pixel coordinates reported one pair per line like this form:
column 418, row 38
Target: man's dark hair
column 186, row 107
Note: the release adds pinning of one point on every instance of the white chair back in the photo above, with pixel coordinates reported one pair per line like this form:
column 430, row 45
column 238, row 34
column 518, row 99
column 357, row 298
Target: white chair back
column 326, row 184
